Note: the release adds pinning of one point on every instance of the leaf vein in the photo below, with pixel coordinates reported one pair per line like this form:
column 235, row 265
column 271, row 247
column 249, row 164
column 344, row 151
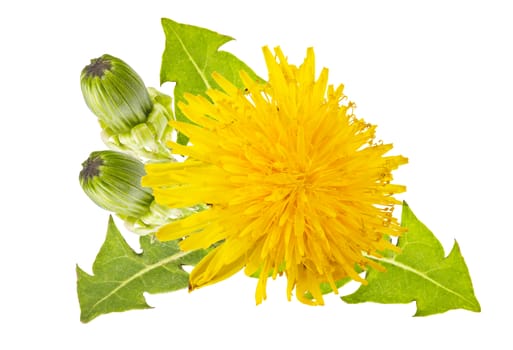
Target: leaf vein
column 421, row 274
column 195, row 65
column 139, row 274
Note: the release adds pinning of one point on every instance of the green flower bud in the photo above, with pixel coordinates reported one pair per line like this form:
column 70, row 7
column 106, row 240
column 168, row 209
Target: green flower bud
column 134, row 119
column 147, row 140
column 115, row 94
column 113, row 181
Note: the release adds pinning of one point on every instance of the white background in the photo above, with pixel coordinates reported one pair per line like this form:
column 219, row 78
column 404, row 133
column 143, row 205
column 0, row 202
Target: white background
column 436, row 76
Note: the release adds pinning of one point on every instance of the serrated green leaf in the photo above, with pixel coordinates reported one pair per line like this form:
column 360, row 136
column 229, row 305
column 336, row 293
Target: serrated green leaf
column 121, row 276
column 420, row 273
column 191, row 56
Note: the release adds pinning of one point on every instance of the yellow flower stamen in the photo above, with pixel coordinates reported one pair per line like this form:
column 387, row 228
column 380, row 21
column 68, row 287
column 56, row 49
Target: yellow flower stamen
column 295, row 182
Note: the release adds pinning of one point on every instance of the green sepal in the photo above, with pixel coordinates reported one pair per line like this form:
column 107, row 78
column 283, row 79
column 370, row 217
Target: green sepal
column 158, row 215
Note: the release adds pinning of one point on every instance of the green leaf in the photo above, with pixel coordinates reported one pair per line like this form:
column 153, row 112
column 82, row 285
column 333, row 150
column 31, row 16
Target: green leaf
column 120, row 276
column 191, row 56
column 420, row 273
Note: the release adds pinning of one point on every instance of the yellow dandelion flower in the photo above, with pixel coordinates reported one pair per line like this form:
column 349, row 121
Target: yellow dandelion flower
column 295, row 183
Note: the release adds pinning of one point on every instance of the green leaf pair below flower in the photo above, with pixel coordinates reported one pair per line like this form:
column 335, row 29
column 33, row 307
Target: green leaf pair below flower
column 420, row 273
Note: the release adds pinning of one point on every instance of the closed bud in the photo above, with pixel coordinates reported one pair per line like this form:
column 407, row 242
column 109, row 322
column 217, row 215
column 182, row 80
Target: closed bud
column 134, row 118
column 113, row 181
column 115, row 94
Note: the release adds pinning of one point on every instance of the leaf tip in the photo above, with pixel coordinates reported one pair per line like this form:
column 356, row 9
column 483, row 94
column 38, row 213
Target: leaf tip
column 85, row 319
column 165, row 20
column 405, row 207
column 78, row 271
column 478, row 307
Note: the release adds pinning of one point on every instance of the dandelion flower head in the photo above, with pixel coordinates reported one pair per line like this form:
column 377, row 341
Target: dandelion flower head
column 296, row 185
